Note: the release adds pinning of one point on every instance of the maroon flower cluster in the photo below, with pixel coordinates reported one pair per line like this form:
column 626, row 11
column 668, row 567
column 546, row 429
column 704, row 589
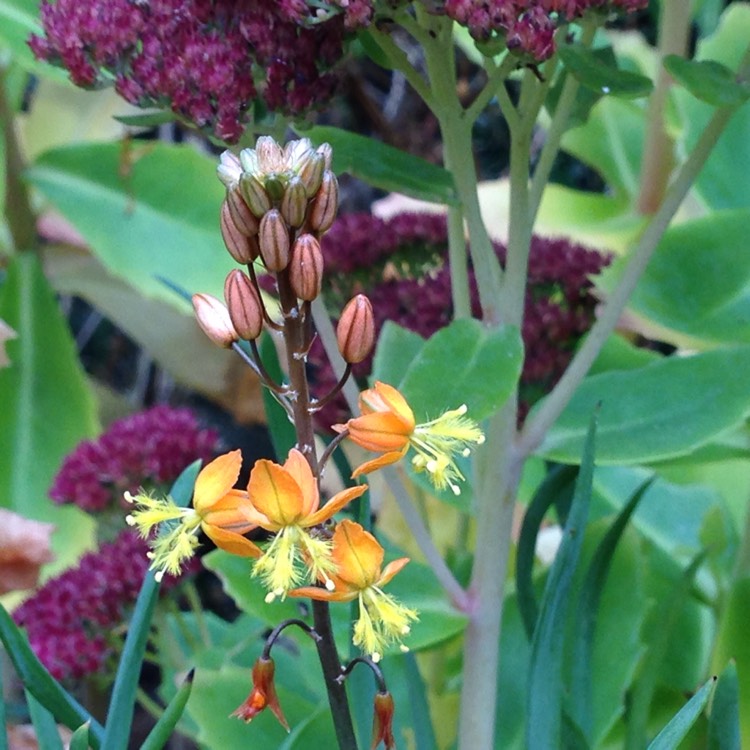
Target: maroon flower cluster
column 68, row 619
column 73, row 620
column 147, row 449
column 207, row 60
column 528, row 26
column 402, row 265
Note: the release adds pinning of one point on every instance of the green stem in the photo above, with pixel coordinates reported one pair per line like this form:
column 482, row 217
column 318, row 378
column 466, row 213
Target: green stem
column 496, row 75
column 455, row 128
column 538, row 423
column 658, row 151
column 18, row 213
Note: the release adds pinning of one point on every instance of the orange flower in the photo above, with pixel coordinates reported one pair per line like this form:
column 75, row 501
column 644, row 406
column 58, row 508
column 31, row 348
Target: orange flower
column 285, row 500
column 358, row 558
column 217, row 509
column 387, row 425
column 263, row 695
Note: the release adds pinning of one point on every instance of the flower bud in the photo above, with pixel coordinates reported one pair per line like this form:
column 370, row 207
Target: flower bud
column 311, row 172
column 270, row 154
column 326, row 152
column 382, row 721
column 254, row 194
column 244, row 305
column 355, row 332
column 274, row 241
column 306, row 268
column 242, row 248
column 213, row 318
column 325, row 204
column 294, row 203
column 244, row 219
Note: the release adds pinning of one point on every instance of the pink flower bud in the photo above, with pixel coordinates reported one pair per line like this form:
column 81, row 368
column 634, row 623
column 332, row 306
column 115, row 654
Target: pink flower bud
column 306, row 268
column 244, row 305
column 242, row 248
column 355, row 332
column 244, row 219
column 213, row 318
column 274, row 241
column 325, row 204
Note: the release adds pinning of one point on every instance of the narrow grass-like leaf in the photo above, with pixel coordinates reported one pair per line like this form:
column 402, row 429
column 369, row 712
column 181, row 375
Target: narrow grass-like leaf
column 580, row 702
column 670, row 737
column 80, row 738
column 424, row 734
column 545, row 686
column 45, row 726
column 3, row 721
column 724, row 723
column 40, row 683
column 559, row 480
column 122, row 703
column 643, row 690
column 162, row 731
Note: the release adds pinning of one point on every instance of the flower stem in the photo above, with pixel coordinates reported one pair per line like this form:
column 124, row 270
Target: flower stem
column 18, row 212
column 297, row 338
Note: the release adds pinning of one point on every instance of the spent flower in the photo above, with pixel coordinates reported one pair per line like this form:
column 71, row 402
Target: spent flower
column 358, row 560
column 388, row 425
column 217, row 509
column 263, row 694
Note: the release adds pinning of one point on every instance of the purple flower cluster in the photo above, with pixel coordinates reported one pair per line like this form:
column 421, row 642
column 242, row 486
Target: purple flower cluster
column 149, row 448
column 528, row 26
column 73, row 620
column 402, row 266
column 205, row 59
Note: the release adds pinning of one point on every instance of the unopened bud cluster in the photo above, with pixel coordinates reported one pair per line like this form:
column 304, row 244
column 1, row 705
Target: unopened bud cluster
column 279, row 203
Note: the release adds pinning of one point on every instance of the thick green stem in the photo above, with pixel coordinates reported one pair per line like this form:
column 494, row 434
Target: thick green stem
column 18, row 212
column 658, row 151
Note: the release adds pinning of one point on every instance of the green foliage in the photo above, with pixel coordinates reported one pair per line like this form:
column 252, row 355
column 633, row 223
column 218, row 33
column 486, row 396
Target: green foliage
column 708, row 80
column 46, row 406
column 665, row 409
column 383, row 166
column 148, row 213
column 678, row 727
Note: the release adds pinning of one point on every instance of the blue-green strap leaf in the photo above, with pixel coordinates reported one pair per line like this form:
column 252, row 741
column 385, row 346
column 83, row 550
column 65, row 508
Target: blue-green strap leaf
column 670, row 737
column 162, row 731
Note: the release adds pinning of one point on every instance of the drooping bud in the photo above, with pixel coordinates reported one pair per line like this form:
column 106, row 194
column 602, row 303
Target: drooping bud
column 382, row 722
column 263, row 694
column 311, row 172
column 244, row 305
column 274, row 241
column 242, row 248
column 245, row 220
column 355, row 332
column 294, row 203
column 325, row 204
column 254, row 194
column 306, row 268
column 213, row 318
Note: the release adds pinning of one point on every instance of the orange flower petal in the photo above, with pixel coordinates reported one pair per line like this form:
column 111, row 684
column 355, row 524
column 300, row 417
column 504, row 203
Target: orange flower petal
column 231, row 542
column 378, row 463
column 216, row 479
column 380, row 431
column 230, row 513
column 323, row 595
column 357, row 554
column 395, row 402
column 391, row 569
column 296, row 465
column 275, row 494
column 334, row 505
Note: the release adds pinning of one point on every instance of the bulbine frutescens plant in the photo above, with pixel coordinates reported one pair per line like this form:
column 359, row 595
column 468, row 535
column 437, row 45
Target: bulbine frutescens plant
column 279, row 203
